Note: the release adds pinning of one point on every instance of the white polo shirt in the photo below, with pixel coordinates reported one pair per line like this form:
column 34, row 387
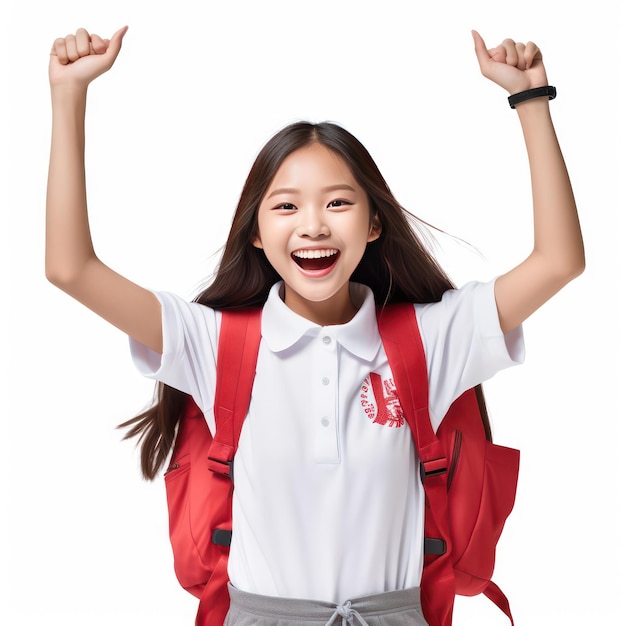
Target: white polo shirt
column 327, row 503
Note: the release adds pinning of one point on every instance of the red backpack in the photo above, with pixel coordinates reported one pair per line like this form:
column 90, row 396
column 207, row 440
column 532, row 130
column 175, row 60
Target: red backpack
column 469, row 482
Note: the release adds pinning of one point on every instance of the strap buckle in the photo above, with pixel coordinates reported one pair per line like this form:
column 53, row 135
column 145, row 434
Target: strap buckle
column 436, row 547
column 222, row 537
column 225, row 468
column 433, row 468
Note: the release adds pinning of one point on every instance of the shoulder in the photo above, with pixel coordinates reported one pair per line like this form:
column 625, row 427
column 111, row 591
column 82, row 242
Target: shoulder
column 190, row 340
column 464, row 324
column 473, row 305
column 172, row 303
column 463, row 343
column 466, row 319
column 187, row 323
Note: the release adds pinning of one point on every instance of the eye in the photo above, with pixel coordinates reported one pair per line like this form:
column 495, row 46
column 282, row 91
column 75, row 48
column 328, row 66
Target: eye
column 286, row 206
column 335, row 204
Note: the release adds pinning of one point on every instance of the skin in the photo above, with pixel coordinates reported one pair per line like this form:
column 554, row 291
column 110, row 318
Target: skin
column 71, row 263
column 558, row 253
column 300, row 213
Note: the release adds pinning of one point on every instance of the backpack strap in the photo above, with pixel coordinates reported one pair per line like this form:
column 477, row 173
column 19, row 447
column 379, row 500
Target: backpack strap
column 405, row 351
column 238, row 348
column 398, row 329
column 238, row 345
column 401, row 338
column 495, row 594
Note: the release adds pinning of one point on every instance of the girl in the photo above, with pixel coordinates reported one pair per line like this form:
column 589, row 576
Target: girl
column 318, row 240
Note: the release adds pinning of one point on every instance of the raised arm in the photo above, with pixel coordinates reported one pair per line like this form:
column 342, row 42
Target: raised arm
column 71, row 263
column 558, row 253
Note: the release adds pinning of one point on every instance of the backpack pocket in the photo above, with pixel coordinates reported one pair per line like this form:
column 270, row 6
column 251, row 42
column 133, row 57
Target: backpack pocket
column 198, row 502
column 176, row 464
column 485, row 497
column 183, row 546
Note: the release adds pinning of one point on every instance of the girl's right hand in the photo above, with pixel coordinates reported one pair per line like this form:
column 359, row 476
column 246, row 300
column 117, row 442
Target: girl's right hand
column 78, row 59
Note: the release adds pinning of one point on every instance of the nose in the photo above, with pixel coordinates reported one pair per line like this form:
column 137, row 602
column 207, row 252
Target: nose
column 312, row 224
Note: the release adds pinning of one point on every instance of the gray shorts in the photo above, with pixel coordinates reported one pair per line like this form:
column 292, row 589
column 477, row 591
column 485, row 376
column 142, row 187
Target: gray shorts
column 394, row 608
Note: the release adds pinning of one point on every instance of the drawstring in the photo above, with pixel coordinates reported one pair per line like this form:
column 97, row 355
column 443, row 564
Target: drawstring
column 347, row 614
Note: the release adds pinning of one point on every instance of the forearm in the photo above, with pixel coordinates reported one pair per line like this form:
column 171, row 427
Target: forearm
column 558, row 253
column 68, row 240
column 557, row 236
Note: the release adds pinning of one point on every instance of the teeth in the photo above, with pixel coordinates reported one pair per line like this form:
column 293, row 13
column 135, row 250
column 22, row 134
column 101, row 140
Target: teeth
column 314, row 254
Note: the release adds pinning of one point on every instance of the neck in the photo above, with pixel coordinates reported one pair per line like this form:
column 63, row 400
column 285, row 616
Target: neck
column 339, row 309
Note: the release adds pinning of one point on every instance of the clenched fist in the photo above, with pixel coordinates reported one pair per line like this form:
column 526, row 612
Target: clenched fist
column 514, row 66
column 78, row 59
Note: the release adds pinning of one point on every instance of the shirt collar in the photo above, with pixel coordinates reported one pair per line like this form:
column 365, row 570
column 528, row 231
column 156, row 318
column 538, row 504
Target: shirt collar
column 281, row 328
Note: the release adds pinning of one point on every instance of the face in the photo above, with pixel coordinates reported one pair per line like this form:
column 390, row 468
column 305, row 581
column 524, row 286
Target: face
column 314, row 223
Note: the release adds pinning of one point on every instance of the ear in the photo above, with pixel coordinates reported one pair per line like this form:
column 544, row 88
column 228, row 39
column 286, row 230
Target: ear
column 375, row 229
column 257, row 243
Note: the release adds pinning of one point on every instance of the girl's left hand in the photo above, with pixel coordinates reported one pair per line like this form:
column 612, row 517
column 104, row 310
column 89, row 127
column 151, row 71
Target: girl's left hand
column 514, row 66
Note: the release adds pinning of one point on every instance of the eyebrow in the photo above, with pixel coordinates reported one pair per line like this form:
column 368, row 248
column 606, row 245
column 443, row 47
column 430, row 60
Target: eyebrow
column 293, row 190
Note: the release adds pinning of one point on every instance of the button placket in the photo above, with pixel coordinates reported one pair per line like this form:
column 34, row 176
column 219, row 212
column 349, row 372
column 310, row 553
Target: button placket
column 324, row 413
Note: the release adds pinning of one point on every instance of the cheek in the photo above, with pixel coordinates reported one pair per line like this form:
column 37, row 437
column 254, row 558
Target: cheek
column 262, row 231
column 363, row 229
column 270, row 237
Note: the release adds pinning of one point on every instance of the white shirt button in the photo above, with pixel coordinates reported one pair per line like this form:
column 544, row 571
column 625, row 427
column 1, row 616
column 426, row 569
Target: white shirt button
column 325, row 422
column 325, row 381
column 326, row 339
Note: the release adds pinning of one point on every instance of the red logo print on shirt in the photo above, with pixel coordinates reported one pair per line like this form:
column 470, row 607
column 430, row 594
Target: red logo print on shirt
column 380, row 402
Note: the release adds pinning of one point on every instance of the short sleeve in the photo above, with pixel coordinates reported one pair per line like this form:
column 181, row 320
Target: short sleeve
column 464, row 344
column 188, row 362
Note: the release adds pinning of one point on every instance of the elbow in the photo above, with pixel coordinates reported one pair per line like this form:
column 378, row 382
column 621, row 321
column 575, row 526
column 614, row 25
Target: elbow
column 63, row 277
column 53, row 275
column 578, row 264
column 58, row 278
column 562, row 266
column 580, row 268
column 571, row 270
column 67, row 272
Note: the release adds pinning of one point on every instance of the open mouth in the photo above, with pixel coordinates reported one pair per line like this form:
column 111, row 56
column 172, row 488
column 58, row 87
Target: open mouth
column 315, row 260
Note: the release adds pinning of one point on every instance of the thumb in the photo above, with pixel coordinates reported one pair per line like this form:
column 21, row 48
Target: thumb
column 115, row 44
column 482, row 54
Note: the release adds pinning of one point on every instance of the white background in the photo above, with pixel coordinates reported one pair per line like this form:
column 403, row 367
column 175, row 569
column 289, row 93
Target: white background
column 171, row 133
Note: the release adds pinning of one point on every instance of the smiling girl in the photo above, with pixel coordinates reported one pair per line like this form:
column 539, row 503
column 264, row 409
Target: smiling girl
column 318, row 241
column 314, row 225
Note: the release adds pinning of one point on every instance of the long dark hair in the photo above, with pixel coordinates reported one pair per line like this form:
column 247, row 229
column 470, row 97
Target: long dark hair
column 397, row 266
